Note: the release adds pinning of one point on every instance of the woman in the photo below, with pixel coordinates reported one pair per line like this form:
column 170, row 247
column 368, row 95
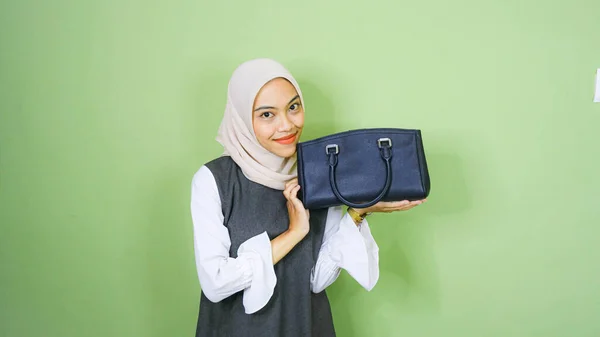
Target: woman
column 263, row 260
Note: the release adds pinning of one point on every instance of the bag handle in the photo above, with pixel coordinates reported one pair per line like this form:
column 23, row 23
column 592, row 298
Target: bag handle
column 385, row 149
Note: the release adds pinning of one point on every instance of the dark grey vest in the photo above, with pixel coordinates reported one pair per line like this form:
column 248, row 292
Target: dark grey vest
column 294, row 310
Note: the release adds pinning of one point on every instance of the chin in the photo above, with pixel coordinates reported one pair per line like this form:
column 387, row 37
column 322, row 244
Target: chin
column 286, row 152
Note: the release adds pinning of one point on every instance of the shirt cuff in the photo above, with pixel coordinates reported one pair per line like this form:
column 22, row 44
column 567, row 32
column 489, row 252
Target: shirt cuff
column 257, row 251
column 372, row 252
column 356, row 251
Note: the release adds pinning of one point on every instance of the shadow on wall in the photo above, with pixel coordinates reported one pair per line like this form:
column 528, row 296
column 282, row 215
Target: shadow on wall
column 409, row 272
column 319, row 117
column 321, row 113
column 205, row 98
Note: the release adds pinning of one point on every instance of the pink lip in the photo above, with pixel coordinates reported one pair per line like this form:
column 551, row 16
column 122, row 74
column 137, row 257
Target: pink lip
column 287, row 140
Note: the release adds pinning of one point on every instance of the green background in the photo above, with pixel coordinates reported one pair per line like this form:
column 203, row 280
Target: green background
column 109, row 107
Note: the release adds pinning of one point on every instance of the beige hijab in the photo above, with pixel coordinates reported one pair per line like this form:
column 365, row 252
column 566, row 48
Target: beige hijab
column 236, row 132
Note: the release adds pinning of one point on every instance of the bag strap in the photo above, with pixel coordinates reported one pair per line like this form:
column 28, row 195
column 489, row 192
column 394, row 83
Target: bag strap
column 385, row 149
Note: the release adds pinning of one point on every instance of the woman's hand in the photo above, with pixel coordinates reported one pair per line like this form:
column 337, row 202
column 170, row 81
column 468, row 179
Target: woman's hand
column 299, row 216
column 389, row 207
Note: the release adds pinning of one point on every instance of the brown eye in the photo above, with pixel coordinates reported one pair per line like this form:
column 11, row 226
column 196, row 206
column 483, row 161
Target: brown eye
column 266, row 114
column 295, row 107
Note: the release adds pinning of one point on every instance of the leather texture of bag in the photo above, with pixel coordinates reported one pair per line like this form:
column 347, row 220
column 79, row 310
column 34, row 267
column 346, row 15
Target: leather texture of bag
column 359, row 168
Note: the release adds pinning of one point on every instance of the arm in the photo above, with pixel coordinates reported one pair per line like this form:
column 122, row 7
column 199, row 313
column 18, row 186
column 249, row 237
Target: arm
column 219, row 274
column 283, row 244
column 252, row 271
column 299, row 223
column 348, row 244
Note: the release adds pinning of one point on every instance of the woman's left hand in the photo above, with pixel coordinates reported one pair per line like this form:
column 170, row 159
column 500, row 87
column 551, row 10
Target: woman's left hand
column 390, row 206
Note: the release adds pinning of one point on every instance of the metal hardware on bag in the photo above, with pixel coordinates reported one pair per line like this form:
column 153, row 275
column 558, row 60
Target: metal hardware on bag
column 334, row 147
column 381, row 140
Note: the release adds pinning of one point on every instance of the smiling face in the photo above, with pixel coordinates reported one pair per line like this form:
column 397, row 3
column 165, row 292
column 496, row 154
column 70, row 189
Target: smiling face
column 278, row 117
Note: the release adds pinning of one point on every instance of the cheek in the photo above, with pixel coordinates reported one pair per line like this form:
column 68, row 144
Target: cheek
column 298, row 120
column 263, row 131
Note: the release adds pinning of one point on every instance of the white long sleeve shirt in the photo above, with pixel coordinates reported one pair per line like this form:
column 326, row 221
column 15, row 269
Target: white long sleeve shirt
column 345, row 246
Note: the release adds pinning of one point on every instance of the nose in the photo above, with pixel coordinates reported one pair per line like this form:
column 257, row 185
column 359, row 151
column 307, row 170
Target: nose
column 285, row 125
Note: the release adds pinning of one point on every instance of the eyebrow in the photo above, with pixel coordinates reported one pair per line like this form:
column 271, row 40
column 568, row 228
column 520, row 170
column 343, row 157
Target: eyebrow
column 264, row 107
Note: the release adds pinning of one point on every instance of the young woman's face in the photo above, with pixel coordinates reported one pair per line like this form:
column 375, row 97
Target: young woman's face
column 278, row 117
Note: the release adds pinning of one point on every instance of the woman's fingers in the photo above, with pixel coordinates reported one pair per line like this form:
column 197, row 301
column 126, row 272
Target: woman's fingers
column 289, row 187
column 295, row 190
column 389, row 206
column 398, row 204
column 291, row 182
column 411, row 204
column 393, row 206
column 294, row 195
column 288, row 191
column 294, row 205
column 408, row 205
column 298, row 205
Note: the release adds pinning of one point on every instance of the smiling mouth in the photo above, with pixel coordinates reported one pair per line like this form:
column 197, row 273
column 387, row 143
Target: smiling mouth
column 287, row 140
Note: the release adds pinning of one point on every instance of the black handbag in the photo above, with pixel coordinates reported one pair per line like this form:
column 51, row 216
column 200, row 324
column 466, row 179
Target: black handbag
column 359, row 168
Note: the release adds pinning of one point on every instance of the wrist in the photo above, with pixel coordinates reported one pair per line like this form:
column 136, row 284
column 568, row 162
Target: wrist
column 363, row 212
column 296, row 234
column 358, row 215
